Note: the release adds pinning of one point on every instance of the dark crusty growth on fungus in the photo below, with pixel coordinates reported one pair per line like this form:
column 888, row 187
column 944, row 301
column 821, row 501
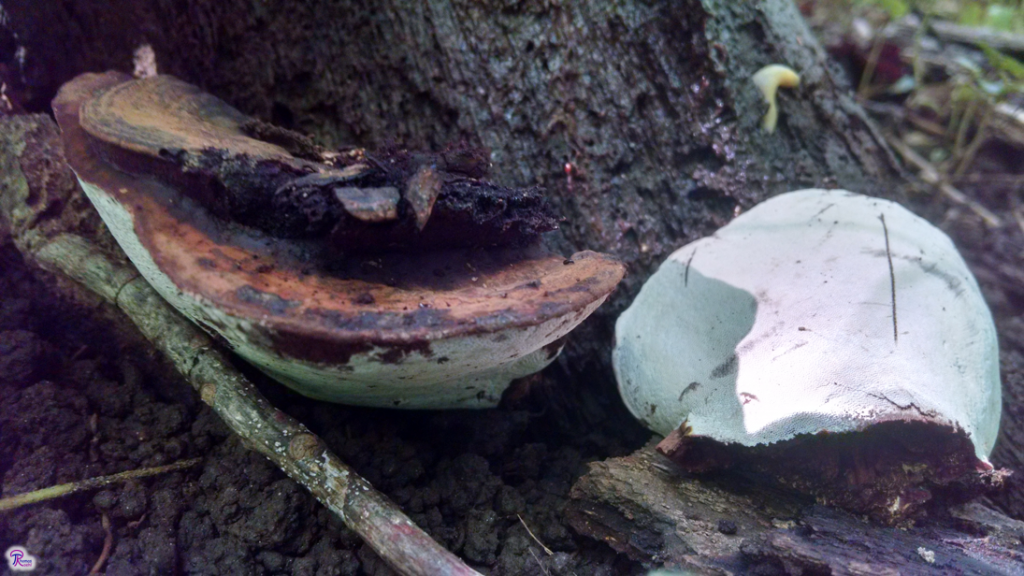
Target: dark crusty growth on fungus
column 889, row 471
column 405, row 328
column 282, row 183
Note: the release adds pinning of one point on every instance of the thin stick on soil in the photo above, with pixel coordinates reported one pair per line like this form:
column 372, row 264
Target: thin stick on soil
column 930, row 174
column 539, row 563
column 108, row 543
column 281, row 438
column 277, row 436
column 535, row 539
column 869, row 68
column 43, row 494
column 980, row 136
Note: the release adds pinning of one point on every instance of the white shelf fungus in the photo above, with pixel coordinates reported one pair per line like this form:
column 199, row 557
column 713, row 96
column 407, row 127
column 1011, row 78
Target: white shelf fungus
column 817, row 310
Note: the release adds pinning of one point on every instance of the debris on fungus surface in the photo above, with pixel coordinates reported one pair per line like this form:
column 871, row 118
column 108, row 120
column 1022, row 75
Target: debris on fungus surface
column 282, row 184
column 768, row 80
column 832, row 340
column 386, row 279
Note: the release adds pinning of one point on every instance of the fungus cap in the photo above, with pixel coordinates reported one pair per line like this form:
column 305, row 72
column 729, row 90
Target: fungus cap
column 438, row 330
column 768, row 80
column 816, row 311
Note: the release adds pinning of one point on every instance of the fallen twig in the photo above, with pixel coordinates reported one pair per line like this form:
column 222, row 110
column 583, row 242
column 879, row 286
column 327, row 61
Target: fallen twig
column 136, row 523
column 43, row 494
column 108, row 543
column 863, row 88
column 980, row 135
column 905, row 29
column 992, row 179
column 1004, row 41
column 535, row 539
column 930, row 175
column 536, row 559
column 107, row 274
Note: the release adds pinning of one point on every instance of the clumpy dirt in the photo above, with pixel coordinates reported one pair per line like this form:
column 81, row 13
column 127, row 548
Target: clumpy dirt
column 79, row 398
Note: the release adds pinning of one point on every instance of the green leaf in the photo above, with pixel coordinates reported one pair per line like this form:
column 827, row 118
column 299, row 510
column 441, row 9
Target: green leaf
column 972, row 15
column 896, row 8
column 1004, row 63
column 1001, row 18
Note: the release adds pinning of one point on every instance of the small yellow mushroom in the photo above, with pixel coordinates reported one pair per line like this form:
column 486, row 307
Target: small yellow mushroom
column 768, row 80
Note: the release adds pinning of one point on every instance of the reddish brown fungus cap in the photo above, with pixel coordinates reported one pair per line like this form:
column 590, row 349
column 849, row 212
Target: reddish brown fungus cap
column 439, row 329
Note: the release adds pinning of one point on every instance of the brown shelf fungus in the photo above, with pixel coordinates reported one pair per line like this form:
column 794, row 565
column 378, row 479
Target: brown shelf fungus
column 393, row 280
column 834, row 341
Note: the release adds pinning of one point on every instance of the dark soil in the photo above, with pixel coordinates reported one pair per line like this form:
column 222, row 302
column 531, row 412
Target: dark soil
column 77, row 400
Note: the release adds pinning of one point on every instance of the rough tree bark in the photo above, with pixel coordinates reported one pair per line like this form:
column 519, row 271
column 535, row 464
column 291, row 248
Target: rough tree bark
column 643, row 506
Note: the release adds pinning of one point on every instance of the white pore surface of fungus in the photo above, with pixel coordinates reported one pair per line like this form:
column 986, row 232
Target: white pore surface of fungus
column 817, row 310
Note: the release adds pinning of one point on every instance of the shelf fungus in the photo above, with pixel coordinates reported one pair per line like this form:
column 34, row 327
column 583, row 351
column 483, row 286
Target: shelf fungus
column 834, row 341
column 395, row 279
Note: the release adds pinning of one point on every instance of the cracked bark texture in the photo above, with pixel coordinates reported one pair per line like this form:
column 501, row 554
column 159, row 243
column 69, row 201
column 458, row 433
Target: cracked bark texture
column 643, row 506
